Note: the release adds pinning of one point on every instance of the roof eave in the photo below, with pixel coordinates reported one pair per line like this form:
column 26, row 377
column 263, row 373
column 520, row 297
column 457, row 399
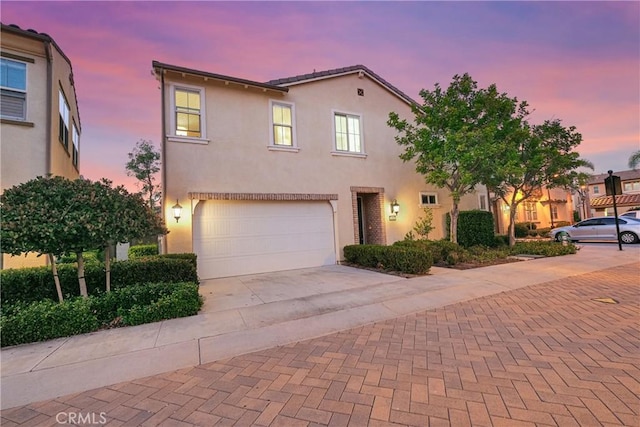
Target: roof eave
column 162, row 67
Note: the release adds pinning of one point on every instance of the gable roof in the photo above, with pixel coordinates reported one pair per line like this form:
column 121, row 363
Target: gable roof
column 624, row 176
column 361, row 70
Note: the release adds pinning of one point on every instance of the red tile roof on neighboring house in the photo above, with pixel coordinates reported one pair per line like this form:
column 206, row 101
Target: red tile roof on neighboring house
column 320, row 75
column 624, row 176
column 622, row 200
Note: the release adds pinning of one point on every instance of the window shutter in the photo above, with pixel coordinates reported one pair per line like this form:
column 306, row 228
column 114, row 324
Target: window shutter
column 13, row 104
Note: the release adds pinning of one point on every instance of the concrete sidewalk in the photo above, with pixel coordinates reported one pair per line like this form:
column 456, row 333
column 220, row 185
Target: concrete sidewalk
column 257, row 316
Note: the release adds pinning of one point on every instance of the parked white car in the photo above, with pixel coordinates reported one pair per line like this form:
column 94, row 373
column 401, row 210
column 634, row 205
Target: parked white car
column 632, row 214
column 600, row 228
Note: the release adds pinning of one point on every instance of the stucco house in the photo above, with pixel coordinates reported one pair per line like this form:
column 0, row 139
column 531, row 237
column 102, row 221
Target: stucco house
column 283, row 174
column 601, row 204
column 39, row 118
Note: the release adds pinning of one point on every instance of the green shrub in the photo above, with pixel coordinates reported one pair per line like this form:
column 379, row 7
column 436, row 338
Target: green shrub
column 35, row 284
column 90, row 257
column 521, row 229
column 184, row 301
column 45, row 320
column 544, row 248
column 475, row 228
column 501, row 240
column 142, row 250
column 404, row 259
column 441, row 251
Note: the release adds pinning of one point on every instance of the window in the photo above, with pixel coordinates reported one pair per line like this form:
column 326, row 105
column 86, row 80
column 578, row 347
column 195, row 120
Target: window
column 188, row 112
column 530, row 211
column 428, row 199
column 347, row 132
column 482, row 202
column 596, row 189
column 76, row 145
column 282, row 119
column 632, row 186
column 13, row 86
column 63, row 133
column 554, row 212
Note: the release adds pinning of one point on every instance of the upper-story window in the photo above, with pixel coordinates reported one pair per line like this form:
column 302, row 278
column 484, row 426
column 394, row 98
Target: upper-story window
column 631, row 186
column 428, row 199
column 76, row 145
column 63, row 108
column 596, row 189
column 13, row 85
column 188, row 112
column 348, row 133
column 282, row 120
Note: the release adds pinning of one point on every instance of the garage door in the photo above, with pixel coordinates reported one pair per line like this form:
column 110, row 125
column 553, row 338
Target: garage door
column 232, row 238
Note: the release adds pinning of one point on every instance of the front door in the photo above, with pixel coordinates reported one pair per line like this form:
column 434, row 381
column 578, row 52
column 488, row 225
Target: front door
column 361, row 220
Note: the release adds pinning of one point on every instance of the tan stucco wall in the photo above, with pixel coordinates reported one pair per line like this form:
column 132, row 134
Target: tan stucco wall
column 237, row 158
column 32, row 149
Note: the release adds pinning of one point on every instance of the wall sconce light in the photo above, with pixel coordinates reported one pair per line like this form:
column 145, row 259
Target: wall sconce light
column 395, row 207
column 177, row 211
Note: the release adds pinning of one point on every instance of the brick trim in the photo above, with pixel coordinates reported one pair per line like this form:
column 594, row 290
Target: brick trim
column 263, row 196
column 376, row 231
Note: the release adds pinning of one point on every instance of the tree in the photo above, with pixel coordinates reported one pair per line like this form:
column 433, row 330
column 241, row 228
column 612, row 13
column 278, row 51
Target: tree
column 634, row 160
column 455, row 134
column 424, row 225
column 532, row 157
column 143, row 164
column 58, row 216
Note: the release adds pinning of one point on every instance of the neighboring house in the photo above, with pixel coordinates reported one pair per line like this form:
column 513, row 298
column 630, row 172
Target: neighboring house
column 601, row 204
column 283, row 174
column 39, row 119
column 547, row 208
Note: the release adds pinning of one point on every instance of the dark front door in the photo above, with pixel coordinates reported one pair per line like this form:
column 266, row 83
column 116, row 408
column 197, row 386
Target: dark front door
column 361, row 221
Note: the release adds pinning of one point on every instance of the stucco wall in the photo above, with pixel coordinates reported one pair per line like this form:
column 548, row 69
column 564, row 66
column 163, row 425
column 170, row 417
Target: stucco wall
column 237, row 158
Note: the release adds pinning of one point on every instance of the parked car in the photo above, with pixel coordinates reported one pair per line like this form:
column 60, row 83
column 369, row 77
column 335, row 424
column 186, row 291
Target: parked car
column 600, row 228
column 632, row 214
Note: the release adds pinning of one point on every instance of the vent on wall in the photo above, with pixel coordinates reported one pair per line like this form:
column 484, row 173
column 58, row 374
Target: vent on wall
column 360, row 92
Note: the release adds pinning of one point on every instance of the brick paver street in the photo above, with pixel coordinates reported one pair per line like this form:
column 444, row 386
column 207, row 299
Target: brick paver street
column 545, row 355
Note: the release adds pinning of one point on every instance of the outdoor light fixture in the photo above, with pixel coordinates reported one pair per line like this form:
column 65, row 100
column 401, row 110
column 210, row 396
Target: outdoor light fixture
column 177, row 211
column 395, row 207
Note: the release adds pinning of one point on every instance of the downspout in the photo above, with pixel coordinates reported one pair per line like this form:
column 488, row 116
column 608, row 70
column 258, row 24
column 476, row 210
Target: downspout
column 49, row 135
column 163, row 153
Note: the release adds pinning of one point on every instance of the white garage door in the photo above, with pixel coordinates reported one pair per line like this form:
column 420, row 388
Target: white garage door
column 232, row 238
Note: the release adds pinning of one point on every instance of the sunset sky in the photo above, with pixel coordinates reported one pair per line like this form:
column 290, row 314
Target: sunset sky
column 576, row 61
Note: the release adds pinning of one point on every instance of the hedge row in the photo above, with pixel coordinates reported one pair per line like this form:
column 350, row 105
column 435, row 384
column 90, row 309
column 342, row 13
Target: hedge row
column 35, row 284
column 394, row 258
column 44, row 320
column 138, row 251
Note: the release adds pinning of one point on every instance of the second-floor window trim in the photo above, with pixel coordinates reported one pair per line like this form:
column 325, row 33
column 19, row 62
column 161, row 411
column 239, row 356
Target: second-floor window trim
column 428, row 199
column 13, row 88
column 76, row 146
column 283, row 132
column 347, row 134
column 65, row 113
column 187, row 114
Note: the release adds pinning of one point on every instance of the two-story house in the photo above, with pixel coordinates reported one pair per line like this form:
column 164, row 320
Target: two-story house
column 39, row 118
column 602, row 205
column 283, row 174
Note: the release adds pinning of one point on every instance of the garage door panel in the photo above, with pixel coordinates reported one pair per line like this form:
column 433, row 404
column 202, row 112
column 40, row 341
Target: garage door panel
column 242, row 237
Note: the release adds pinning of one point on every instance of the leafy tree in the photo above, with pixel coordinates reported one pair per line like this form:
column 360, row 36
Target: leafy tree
column 424, row 225
column 144, row 164
column 455, row 134
column 634, row 160
column 534, row 156
column 56, row 216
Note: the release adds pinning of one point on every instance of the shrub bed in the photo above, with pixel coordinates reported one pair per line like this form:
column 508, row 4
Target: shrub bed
column 544, row 248
column 44, row 320
column 138, row 251
column 35, row 284
column 403, row 259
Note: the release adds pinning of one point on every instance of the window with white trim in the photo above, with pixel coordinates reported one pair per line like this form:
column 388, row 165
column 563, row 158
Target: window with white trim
column 63, row 108
column 482, row 202
column 188, row 118
column 282, row 125
column 13, row 88
column 348, row 133
column 530, row 211
column 428, row 199
column 554, row 212
column 596, row 189
column 76, row 145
